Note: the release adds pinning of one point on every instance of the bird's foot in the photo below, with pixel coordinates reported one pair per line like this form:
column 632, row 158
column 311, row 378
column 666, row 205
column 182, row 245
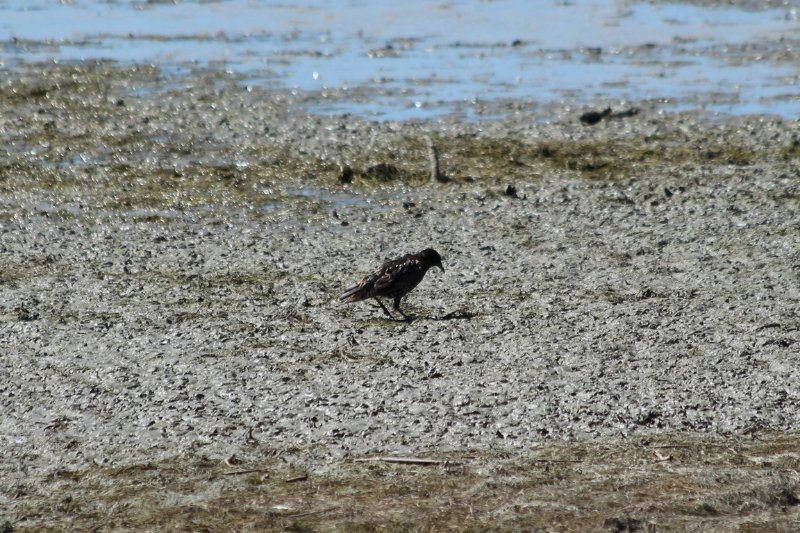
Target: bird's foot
column 406, row 318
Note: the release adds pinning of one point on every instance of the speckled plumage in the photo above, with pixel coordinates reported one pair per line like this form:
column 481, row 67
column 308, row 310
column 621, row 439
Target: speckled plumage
column 394, row 279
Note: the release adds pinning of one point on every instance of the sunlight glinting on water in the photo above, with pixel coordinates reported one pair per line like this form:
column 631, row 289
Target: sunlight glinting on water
column 420, row 58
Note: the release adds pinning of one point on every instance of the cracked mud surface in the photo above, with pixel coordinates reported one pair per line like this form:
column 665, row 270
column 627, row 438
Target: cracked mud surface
column 171, row 260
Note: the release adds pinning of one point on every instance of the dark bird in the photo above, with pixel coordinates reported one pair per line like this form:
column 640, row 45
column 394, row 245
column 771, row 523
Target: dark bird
column 593, row 117
column 394, row 279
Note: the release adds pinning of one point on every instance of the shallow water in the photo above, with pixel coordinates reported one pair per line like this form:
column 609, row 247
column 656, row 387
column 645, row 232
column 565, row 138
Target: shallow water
column 423, row 59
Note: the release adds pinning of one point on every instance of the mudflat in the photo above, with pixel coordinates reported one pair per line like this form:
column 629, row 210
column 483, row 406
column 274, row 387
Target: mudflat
column 621, row 303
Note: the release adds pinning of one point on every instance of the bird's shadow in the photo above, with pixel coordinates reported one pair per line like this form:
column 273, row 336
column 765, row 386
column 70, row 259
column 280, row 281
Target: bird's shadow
column 453, row 315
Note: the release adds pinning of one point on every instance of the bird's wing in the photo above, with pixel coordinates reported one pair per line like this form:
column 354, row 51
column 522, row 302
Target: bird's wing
column 403, row 275
column 383, row 280
column 380, row 279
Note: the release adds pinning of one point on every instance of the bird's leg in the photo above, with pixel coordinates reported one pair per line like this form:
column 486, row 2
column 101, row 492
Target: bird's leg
column 396, row 306
column 384, row 308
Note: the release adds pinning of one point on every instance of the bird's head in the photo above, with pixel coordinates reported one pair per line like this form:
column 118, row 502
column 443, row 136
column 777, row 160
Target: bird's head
column 432, row 258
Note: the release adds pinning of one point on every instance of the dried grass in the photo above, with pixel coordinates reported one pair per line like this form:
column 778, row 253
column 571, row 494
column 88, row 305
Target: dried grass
column 667, row 484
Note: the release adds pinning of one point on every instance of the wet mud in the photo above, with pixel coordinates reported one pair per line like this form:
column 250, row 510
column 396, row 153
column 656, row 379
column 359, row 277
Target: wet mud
column 172, row 250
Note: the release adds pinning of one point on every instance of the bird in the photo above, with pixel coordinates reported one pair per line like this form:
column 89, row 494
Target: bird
column 394, row 279
column 593, row 117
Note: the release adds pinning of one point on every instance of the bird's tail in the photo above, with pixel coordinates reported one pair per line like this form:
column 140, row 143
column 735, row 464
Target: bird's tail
column 352, row 294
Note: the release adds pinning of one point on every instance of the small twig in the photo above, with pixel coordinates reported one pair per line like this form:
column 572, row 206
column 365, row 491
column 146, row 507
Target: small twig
column 242, row 472
column 676, row 446
column 433, row 157
column 660, row 458
column 408, row 461
column 557, row 460
column 309, row 513
column 301, row 477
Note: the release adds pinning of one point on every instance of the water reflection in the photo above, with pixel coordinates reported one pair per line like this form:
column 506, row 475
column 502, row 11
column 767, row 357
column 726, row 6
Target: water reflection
column 418, row 59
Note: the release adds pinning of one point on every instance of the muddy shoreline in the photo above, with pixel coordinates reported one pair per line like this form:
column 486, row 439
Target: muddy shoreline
column 171, row 259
